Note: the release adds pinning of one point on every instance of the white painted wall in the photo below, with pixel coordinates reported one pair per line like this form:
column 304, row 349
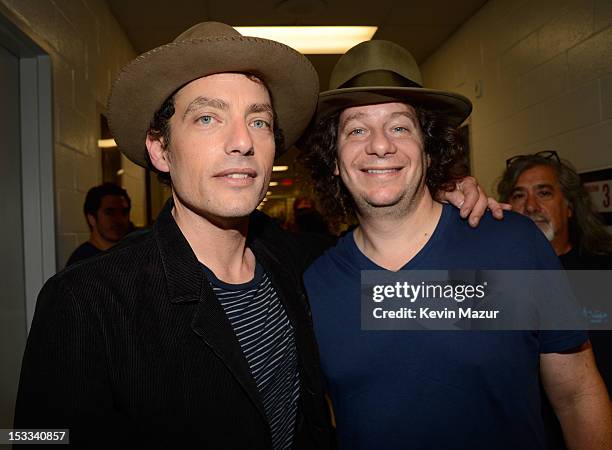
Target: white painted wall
column 87, row 49
column 546, row 73
column 133, row 181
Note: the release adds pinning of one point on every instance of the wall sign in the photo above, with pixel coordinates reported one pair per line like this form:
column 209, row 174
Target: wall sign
column 598, row 184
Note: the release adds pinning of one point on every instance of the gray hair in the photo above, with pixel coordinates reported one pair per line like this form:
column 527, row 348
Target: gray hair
column 587, row 231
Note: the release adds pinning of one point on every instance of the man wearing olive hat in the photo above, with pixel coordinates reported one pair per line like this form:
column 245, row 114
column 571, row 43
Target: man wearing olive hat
column 380, row 146
column 198, row 333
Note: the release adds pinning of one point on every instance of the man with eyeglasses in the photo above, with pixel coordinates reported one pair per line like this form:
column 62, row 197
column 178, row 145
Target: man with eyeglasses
column 549, row 191
column 380, row 145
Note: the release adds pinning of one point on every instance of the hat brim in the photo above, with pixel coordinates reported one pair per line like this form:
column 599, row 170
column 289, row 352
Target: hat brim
column 455, row 107
column 145, row 83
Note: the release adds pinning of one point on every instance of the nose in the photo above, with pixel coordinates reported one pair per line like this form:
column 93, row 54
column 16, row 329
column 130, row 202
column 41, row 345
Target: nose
column 380, row 145
column 531, row 204
column 240, row 141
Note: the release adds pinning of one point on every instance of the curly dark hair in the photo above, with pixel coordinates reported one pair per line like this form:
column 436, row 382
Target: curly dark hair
column 159, row 128
column 587, row 232
column 441, row 141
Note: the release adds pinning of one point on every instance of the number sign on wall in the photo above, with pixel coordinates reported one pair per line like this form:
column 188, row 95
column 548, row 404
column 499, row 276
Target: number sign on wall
column 598, row 184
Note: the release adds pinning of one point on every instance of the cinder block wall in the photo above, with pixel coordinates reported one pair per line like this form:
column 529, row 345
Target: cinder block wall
column 545, row 69
column 87, row 49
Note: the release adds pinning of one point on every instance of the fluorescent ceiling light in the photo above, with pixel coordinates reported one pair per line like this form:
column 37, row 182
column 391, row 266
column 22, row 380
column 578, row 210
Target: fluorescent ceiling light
column 280, row 168
column 273, row 183
column 314, row 40
column 106, row 143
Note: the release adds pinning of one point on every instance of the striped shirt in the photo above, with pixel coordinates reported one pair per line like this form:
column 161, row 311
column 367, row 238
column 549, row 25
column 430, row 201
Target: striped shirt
column 266, row 338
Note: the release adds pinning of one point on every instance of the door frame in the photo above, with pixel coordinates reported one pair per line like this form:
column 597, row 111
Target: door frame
column 37, row 159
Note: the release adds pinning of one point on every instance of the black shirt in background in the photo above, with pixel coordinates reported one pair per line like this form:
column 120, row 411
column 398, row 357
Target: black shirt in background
column 83, row 251
column 577, row 260
column 600, row 340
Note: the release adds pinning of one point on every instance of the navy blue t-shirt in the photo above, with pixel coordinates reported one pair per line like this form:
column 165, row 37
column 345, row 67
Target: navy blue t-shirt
column 438, row 390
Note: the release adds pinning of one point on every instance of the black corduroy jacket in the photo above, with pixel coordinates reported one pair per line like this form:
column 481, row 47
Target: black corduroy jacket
column 131, row 349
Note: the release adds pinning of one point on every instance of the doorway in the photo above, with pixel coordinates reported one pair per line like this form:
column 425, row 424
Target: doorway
column 27, row 228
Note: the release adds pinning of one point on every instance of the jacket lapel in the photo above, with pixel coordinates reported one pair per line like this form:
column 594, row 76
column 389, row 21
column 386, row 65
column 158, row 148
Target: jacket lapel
column 187, row 283
column 211, row 324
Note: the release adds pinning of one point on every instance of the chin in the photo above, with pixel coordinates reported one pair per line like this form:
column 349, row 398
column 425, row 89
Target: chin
column 241, row 209
column 237, row 204
column 382, row 199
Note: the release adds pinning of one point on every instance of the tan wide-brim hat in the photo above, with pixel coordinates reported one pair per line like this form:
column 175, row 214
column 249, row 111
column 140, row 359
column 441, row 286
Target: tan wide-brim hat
column 381, row 72
column 205, row 49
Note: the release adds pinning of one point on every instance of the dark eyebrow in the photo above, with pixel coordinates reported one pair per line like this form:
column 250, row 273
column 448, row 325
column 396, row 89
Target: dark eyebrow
column 201, row 102
column 407, row 114
column 260, row 107
column 545, row 186
column 353, row 116
column 359, row 115
column 537, row 186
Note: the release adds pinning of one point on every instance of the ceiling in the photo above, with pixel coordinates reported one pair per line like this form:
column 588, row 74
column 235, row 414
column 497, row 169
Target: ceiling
column 421, row 27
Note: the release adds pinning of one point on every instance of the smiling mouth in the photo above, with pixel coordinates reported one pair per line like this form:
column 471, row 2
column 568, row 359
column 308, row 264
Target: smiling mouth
column 238, row 176
column 380, row 171
column 237, row 173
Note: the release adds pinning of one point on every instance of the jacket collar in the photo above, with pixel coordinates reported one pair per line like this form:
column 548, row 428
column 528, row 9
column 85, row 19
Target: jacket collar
column 186, row 283
column 184, row 276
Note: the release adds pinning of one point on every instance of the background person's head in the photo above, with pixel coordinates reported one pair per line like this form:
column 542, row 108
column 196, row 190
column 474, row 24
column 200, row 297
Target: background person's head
column 549, row 191
column 107, row 212
column 369, row 79
column 306, row 217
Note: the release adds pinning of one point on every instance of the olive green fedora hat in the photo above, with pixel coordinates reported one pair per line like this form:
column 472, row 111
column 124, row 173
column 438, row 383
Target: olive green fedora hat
column 381, row 72
column 208, row 48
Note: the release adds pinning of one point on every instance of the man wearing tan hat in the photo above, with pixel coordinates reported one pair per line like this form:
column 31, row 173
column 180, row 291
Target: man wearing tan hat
column 380, row 146
column 198, row 333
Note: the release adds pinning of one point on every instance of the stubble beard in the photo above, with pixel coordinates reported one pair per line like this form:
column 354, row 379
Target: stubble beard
column 405, row 204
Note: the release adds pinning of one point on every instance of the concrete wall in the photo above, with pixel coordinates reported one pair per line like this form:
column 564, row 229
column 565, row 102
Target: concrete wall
column 133, row 181
column 87, row 48
column 545, row 69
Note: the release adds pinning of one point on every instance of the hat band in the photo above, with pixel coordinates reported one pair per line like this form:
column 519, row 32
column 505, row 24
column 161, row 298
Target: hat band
column 379, row 78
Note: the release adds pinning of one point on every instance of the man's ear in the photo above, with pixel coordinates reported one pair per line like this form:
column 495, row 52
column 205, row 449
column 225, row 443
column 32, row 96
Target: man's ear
column 336, row 171
column 91, row 220
column 157, row 153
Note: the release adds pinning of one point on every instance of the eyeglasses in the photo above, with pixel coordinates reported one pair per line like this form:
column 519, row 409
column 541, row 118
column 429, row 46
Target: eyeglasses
column 545, row 154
